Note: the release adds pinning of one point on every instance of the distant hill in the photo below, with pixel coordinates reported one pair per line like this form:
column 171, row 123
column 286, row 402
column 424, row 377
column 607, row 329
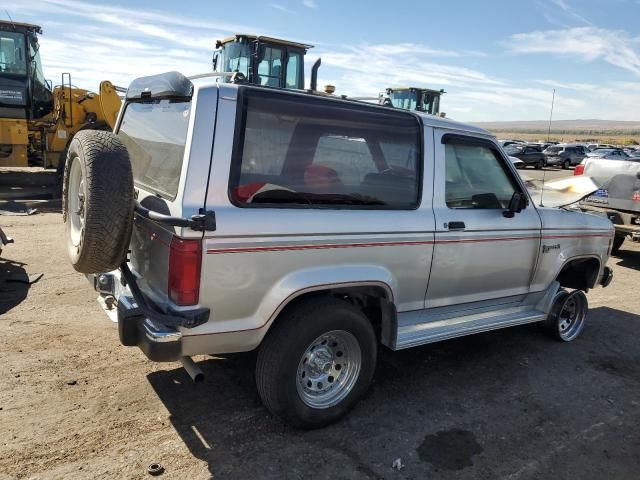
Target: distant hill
column 565, row 126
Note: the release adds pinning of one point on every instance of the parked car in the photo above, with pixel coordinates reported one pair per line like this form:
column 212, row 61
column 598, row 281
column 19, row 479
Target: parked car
column 618, row 197
column 516, row 162
column 226, row 218
column 506, row 143
column 593, row 146
column 608, row 154
column 565, row 155
column 530, row 155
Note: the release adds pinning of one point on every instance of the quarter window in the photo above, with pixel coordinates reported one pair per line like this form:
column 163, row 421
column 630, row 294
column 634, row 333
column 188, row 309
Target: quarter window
column 475, row 178
column 293, row 67
column 300, row 151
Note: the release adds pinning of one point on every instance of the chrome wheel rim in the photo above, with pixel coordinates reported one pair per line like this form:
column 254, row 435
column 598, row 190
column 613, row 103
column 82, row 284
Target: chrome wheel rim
column 76, row 196
column 328, row 369
column 572, row 315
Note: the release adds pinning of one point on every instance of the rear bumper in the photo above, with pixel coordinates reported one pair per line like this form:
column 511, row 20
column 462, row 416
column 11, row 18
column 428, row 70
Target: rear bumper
column 142, row 323
column 554, row 160
column 158, row 342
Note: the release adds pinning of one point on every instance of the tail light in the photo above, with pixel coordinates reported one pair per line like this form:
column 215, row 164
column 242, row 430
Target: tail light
column 579, row 170
column 185, row 258
column 636, row 196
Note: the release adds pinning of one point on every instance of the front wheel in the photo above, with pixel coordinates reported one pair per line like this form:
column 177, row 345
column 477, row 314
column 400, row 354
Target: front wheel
column 567, row 317
column 566, row 164
column 316, row 362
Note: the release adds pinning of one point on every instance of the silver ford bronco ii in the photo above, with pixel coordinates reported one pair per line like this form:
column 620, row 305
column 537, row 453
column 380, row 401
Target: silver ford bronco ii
column 235, row 217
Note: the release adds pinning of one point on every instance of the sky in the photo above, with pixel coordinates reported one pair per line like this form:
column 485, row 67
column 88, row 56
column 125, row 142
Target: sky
column 497, row 60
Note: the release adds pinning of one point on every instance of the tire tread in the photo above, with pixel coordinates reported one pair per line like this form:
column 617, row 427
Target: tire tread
column 109, row 201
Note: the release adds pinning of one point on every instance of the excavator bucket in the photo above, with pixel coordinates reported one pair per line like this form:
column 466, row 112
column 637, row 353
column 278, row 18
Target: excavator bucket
column 110, row 102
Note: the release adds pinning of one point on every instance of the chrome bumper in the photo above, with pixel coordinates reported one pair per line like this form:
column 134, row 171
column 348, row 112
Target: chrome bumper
column 158, row 342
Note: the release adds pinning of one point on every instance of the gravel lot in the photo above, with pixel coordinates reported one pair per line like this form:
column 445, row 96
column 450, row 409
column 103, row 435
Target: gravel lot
column 510, row 404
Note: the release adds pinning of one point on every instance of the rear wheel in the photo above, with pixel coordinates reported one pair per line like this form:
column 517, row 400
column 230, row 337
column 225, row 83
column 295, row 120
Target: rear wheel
column 316, row 362
column 567, row 317
column 97, row 201
column 540, row 165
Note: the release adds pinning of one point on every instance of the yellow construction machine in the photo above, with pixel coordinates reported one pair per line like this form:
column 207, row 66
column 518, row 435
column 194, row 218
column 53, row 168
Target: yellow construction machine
column 260, row 60
column 37, row 120
column 279, row 63
column 413, row 98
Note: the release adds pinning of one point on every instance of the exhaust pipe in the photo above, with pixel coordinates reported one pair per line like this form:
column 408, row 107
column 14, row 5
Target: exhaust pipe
column 314, row 75
column 192, row 369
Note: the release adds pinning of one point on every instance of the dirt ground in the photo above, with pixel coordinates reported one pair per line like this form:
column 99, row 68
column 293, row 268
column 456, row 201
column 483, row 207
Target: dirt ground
column 510, row 404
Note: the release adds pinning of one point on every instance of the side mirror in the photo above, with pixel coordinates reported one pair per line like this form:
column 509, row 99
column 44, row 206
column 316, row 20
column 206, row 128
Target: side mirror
column 216, row 55
column 517, row 203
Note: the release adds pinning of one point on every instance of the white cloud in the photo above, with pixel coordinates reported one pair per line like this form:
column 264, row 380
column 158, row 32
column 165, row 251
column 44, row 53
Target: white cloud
column 310, row 3
column 564, row 6
column 368, row 68
column 282, row 8
column 580, row 87
column 615, row 47
column 102, row 41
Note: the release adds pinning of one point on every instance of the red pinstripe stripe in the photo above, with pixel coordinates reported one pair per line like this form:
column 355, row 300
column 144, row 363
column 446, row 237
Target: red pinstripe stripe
column 391, row 244
column 316, row 247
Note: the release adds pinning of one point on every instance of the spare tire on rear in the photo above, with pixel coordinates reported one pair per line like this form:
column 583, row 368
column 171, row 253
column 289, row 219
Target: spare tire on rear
column 97, row 201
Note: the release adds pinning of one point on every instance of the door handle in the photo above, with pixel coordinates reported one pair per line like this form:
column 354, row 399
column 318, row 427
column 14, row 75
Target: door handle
column 456, row 226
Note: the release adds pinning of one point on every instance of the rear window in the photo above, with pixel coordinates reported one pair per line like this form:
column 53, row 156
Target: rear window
column 554, row 149
column 316, row 153
column 155, row 134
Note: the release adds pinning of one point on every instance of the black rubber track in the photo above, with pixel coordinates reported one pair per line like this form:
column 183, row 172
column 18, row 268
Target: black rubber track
column 109, row 201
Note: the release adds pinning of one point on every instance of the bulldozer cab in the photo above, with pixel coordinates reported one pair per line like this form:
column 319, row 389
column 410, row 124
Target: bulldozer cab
column 24, row 92
column 261, row 60
column 413, row 98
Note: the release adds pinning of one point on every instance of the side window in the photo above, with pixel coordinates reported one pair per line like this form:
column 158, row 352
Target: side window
column 293, row 67
column 301, row 151
column 270, row 67
column 475, row 178
column 348, row 156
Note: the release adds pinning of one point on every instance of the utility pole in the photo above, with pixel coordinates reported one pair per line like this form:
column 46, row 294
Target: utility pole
column 553, row 99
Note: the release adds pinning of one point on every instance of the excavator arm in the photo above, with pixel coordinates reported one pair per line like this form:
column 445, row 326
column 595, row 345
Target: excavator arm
column 110, row 102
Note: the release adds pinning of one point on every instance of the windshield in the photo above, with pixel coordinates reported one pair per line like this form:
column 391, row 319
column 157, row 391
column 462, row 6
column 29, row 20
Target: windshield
column 40, row 92
column 12, row 53
column 554, row 149
column 235, row 58
column 404, row 99
column 155, row 135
